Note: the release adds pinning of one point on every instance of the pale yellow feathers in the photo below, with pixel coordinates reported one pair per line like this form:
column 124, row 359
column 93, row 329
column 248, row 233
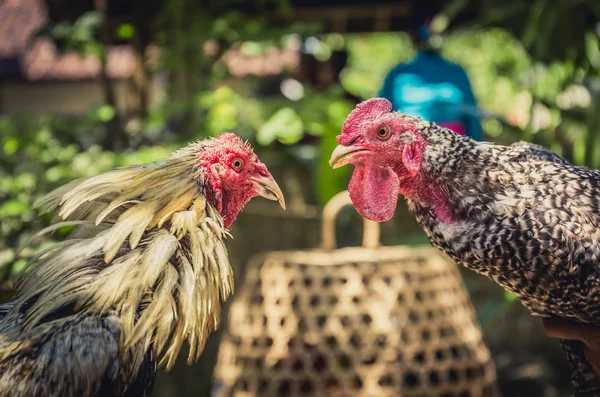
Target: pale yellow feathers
column 148, row 248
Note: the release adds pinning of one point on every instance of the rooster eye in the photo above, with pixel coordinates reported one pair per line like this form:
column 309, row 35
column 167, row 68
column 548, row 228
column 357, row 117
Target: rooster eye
column 383, row 132
column 237, row 164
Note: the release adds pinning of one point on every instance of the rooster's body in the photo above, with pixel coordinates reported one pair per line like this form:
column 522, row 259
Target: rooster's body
column 145, row 270
column 520, row 215
column 534, row 228
column 76, row 356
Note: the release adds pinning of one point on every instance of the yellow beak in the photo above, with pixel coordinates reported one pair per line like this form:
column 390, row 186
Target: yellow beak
column 343, row 155
column 267, row 187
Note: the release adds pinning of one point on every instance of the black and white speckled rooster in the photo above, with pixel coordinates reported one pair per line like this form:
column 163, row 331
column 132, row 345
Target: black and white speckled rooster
column 520, row 215
column 144, row 272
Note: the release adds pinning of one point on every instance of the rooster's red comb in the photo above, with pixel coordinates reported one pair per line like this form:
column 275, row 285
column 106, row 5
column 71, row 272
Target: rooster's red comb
column 229, row 137
column 364, row 113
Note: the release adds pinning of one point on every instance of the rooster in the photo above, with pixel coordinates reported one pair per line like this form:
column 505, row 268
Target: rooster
column 145, row 270
column 520, row 214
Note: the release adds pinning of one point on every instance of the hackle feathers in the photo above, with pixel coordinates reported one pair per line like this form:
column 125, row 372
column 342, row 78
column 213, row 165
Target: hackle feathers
column 148, row 247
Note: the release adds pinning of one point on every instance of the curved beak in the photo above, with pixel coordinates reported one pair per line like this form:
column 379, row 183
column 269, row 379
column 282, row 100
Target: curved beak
column 343, row 155
column 266, row 187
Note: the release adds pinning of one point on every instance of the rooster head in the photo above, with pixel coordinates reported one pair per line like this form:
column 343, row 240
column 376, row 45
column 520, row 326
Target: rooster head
column 386, row 149
column 234, row 175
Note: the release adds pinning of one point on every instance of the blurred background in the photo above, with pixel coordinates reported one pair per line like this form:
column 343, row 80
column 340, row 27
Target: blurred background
column 89, row 85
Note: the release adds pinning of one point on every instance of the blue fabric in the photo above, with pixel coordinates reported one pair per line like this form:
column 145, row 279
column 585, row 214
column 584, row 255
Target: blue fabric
column 434, row 89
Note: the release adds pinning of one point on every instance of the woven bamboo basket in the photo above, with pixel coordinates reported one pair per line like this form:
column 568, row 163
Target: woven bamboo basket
column 359, row 321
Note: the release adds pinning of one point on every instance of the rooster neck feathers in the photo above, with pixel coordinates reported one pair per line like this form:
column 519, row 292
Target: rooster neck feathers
column 522, row 216
column 148, row 247
column 519, row 214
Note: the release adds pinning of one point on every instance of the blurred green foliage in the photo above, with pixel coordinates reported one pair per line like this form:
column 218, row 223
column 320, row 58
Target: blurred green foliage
column 79, row 36
column 38, row 155
column 536, row 75
column 525, row 91
column 550, row 30
column 371, row 57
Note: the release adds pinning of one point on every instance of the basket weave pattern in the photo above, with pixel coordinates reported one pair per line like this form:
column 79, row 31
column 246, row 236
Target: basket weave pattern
column 387, row 321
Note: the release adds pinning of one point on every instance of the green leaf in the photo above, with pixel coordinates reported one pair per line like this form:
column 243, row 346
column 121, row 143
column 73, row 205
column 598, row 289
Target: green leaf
column 338, row 111
column 65, row 230
column 252, row 48
column 88, row 22
column 61, row 30
column 105, row 113
column 6, row 256
column 11, row 145
column 592, row 45
column 222, row 117
column 13, row 208
column 532, row 28
column 19, row 266
column 54, row 174
column 94, row 48
column 25, row 181
column 285, row 125
column 125, row 31
column 223, row 94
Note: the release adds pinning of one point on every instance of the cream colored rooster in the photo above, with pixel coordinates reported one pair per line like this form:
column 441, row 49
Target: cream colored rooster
column 145, row 270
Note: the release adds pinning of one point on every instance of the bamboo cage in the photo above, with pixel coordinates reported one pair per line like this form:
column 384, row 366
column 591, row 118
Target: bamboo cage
column 358, row 321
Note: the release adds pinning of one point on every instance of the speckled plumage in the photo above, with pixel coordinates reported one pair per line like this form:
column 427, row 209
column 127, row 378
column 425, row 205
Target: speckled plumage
column 526, row 219
column 520, row 214
column 74, row 356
